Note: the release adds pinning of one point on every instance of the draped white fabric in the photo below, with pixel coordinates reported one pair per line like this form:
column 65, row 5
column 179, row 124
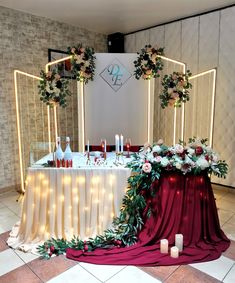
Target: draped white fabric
column 62, row 202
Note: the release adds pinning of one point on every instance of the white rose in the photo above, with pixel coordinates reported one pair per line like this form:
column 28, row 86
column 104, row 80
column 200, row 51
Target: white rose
column 164, row 161
column 191, row 151
column 215, row 157
column 178, row 165
column 158, row 159
column 202, row 163
column 156, row 149
column 179, row 148
column 147, row 167
column 150, row 157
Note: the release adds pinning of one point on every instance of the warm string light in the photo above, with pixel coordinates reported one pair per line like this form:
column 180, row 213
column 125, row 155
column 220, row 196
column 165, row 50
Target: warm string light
column 213, row 71
column 18, row 123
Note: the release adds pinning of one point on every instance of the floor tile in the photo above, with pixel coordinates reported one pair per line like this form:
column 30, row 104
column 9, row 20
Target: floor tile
column 132, row 274
column 230, row 252
column 225, row 204
column 224, row 215
column 230, row 277
column 160, row 272
column 216, row 268
column 26, row 257
column 21, row 274
column 46, row 270
column 229, row 230
column 4, row 236
column 2, row 205
column 102, row 272
column 232, row 219
column 229, row 197
column 188, row 274
column 3, row 245
column 9, row 261
column 69, row 276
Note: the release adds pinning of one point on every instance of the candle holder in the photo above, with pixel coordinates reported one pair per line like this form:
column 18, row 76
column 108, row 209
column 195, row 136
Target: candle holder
column 88, row 160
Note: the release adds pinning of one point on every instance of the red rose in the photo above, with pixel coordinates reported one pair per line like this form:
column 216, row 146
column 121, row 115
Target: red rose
column 52, row 249
column 119, row 242
column 207, row 158
column 86, row 248
column 198, row 150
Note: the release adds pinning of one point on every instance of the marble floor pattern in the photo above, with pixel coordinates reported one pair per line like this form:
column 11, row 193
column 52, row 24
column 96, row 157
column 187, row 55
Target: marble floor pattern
column 16, row 266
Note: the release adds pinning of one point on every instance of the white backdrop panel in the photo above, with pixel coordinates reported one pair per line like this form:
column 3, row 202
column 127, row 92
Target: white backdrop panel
column 109, row 112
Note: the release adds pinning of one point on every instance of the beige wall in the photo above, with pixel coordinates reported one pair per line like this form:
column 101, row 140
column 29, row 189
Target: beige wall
column 24, row 42
column 203, row 42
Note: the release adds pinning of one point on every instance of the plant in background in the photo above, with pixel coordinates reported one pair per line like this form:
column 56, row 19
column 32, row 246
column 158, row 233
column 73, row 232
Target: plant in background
column 53, row 89
column 83, row 62
column 148, row 64
column 175, row 89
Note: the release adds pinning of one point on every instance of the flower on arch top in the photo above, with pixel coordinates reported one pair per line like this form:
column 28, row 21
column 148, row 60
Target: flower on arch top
column 83, row 62
column 175, row 89
column 148, row 64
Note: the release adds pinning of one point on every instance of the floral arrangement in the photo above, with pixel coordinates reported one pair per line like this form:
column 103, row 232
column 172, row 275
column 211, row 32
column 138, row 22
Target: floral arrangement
column 53, row 89
column 175, row 89
column 148, row 64
column 194, row 158
column 147, row 166
column 83, row 62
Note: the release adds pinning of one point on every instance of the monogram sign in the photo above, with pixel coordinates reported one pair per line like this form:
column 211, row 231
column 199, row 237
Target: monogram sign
column 115, row 75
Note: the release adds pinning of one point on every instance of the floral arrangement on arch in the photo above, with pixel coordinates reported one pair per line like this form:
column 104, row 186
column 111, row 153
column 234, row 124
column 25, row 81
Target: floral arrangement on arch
column 53, row 89
column 175, row 89
column 147, row 166
column 83, row 62
column 148, row 64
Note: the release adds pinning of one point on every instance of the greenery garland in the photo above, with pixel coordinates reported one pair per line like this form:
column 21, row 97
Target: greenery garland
column 175, row 89
column 148, row 64
column 147, row 166
column 83, row 62
column 53, row 89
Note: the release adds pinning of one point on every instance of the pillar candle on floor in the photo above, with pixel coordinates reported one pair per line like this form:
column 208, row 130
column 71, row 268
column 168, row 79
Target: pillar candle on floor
column 179, row 241
column 164, row 246
column 174, row 252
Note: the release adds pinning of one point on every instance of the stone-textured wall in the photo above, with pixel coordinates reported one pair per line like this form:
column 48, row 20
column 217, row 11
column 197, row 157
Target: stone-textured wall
column 24, row 43
column 203, row 42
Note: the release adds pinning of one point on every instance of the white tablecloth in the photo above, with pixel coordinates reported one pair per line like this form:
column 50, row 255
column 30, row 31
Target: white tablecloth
column 62, row 202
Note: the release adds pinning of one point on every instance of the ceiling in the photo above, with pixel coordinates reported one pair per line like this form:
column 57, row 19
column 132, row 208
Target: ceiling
column 109, row 16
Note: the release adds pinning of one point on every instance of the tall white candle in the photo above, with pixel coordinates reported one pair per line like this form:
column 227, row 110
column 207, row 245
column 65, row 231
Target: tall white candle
column 105, row 143
column 121, row 141
column 174, row 252
column 117, row 143
column 179, row 241
column 88, row 146
column 164, row 246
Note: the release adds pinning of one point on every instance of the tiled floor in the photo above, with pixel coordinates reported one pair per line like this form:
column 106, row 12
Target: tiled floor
column 16, row 266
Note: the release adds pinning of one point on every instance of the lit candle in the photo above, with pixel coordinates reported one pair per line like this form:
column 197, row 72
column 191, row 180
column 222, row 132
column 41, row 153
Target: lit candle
column 102, row 145
column 179, row 241
column 164, row 246
column 121, row 141
column 117, row 143
column 105, row 143
column 174, row 252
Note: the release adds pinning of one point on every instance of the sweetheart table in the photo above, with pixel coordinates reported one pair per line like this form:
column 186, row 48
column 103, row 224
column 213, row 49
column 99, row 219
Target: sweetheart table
column 62, row 202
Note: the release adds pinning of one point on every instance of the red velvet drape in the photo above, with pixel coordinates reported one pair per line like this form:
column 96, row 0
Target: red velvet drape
column 182, row 204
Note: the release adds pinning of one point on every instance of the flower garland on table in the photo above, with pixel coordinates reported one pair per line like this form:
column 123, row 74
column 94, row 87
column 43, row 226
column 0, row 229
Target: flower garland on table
column 175, row 89
column 148, row 64
column 147, row 166
column 53, row 90
column 83, row 62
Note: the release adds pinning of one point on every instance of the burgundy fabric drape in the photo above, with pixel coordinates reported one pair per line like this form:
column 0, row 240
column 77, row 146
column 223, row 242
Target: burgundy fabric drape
column 182, row 205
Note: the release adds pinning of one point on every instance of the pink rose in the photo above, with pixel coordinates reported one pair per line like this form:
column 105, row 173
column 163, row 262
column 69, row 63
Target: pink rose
column 179, row 148
column 158, row 158
column 147, row 167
